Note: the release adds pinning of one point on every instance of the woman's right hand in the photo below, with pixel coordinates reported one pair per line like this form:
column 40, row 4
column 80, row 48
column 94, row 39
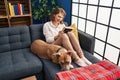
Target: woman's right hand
column 56, row 37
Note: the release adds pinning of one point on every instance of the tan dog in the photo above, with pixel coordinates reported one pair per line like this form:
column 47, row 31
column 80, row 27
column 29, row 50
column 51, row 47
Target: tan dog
column 57, row 54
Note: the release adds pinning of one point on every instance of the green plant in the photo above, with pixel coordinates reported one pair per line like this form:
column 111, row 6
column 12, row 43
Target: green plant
column 41, row 9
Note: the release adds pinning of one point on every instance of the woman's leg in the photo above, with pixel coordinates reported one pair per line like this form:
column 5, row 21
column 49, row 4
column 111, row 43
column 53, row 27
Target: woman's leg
column 77, row 47
column 75, row 44
column 64, row 41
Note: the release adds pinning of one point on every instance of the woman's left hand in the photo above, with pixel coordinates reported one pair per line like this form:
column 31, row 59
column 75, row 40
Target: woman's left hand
column 60, row 32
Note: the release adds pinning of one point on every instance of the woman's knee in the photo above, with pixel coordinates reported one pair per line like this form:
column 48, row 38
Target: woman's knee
column 70, row 33
column 64, row 36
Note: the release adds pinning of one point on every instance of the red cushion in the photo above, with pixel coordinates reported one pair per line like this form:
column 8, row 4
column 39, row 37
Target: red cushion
column 103, row 70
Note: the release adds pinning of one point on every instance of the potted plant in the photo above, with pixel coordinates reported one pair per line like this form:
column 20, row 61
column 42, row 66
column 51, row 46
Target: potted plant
column 41, row 9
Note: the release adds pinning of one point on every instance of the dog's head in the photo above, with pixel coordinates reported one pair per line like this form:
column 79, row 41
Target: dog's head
column 64, row 59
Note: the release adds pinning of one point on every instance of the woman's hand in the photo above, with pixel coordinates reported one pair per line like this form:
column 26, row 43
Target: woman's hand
column 60, row 32
column 56, row 37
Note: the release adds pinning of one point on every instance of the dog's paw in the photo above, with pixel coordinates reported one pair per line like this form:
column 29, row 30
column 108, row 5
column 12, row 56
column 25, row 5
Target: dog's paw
column 80, row 62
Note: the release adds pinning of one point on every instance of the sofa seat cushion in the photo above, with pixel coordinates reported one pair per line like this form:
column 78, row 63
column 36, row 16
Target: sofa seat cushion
column 90, row 57
column 50, row 68
column 18, row 63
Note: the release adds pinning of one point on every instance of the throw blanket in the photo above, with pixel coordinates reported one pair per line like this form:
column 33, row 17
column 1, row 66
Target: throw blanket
column 103, row 70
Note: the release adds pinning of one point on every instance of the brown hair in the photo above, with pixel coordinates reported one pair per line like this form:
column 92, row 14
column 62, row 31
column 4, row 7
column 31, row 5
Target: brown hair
column 57, row 11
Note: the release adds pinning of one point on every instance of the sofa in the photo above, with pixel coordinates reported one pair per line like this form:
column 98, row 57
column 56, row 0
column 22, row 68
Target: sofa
column 17, row 61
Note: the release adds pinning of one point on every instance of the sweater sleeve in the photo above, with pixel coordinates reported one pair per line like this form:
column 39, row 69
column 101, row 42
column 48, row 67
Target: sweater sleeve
column 47, row 33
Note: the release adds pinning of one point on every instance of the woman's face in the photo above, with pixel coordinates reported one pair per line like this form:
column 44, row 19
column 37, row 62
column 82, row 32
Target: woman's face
column 59, row 17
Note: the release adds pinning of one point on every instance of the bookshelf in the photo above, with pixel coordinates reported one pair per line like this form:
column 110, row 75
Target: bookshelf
column 8, row 20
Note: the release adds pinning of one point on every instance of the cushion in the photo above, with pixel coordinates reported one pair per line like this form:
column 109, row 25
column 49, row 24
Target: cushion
column 74, row 30
column 19, row 63
column 16, row 59
column 36, row 31
column 50, row 69
column 14, row 38
column 103, row 70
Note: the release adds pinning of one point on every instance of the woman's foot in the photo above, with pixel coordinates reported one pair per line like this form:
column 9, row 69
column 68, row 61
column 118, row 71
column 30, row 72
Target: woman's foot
column 86, row 60
column 80, row 62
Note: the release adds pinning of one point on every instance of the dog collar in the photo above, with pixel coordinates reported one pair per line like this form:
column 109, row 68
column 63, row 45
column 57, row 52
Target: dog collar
column 59, row 49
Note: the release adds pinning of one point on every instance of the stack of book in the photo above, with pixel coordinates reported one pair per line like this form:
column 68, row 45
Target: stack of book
column 17, row 9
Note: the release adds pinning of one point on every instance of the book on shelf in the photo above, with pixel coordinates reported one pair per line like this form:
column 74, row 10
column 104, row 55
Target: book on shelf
column 10, row 9
column 17, row 9
column 22, row 9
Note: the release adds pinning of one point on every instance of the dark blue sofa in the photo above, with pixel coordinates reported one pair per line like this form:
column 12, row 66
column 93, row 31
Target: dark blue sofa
column 17, row 61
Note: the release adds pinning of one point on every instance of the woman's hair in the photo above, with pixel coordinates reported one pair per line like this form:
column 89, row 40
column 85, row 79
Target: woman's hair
column 57, row 11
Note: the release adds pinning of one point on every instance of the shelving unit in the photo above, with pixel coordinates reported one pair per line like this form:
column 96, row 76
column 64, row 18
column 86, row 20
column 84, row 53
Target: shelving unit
column 10, row 21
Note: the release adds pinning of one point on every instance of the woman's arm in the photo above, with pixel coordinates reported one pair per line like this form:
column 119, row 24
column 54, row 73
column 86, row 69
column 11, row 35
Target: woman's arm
column 60, row 32
column 47, row 33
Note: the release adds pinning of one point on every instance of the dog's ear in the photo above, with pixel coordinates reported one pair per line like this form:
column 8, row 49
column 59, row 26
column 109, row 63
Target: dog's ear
column 57, row 54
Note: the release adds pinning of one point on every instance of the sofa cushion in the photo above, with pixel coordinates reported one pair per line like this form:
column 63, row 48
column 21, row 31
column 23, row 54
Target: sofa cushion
column 14, row 38
column 90, row 57
column 75, row 31
column 16, row 59
column 18, row 63
column 36, row 31
column 50, row 69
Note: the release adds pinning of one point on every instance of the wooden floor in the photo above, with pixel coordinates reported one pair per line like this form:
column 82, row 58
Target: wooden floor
column 30, row 78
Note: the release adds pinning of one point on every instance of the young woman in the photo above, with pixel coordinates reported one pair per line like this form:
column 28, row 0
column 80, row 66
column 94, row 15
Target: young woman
column 53, row 33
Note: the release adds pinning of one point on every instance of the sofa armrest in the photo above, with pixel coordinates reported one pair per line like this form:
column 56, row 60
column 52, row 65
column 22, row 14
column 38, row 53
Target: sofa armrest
column 87, row 41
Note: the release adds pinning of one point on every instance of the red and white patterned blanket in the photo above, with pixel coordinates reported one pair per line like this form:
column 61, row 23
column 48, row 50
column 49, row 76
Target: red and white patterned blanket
column 103, row 70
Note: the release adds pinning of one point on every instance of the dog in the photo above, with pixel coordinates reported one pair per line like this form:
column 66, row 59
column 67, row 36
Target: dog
column 57, row 54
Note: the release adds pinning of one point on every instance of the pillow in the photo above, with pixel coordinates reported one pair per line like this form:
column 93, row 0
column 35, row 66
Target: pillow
column 75, row 31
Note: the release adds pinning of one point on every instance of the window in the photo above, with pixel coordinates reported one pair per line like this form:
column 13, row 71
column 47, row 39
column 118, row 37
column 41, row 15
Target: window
column 100, row 18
